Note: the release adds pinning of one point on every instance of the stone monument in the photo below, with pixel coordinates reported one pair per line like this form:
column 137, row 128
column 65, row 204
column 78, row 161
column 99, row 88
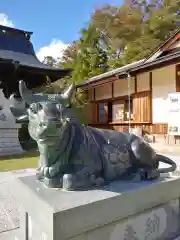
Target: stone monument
column 73, row 156
column 96, row 179
column 9, row 141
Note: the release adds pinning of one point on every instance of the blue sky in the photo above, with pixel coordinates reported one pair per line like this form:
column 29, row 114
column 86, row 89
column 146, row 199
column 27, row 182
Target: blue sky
column 52, row 22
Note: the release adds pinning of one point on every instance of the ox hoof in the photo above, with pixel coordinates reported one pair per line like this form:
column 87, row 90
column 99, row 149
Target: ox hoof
column 73, row 182
column 46, row 172
column 40, row 174
column 50, row 172
column 136, row 178
column 69, row 182
column 53, row 182
column 99, row 182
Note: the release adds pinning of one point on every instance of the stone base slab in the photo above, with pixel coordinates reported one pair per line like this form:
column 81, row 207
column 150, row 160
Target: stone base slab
column 121, row 210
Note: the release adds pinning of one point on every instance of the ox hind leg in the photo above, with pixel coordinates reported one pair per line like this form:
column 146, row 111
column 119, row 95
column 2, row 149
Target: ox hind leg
column 145, row 160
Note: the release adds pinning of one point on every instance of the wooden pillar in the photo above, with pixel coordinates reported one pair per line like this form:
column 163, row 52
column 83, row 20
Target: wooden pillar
column 178, row 78
column 94, row 90
column 112, row 86
column 150, row 96
column 135, row 84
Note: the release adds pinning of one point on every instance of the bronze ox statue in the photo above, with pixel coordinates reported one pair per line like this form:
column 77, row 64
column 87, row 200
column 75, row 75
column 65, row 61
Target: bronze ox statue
column 74, row 156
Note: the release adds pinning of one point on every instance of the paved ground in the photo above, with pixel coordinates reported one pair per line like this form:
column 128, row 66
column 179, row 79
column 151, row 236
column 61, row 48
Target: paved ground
column 170, row 149
column 9, row 207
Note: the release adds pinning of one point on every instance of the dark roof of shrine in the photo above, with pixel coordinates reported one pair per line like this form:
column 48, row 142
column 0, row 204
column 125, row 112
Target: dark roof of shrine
column 16, row 47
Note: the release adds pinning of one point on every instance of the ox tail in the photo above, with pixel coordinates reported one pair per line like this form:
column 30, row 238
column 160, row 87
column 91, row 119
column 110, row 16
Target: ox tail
column 164, row 159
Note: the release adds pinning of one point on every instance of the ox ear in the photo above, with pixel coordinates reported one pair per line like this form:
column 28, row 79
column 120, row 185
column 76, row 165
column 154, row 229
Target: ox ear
column 18, row 109
column 23, row 118
column 19, row 114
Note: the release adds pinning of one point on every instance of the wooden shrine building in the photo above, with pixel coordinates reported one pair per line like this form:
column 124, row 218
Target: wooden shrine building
column 151, row 80
column 18, row 61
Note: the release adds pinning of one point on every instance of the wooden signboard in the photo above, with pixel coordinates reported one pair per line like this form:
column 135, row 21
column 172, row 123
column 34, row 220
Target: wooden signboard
column 174, row 113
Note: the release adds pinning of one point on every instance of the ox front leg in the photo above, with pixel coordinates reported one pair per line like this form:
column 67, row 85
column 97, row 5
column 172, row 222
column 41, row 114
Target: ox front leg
column 49, row 166
column 40, row 169
column 43, row 162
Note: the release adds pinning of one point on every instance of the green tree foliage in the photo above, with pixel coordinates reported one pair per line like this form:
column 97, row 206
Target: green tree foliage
column 50, row 61
column 86, row 56
column 136, row 28
column 118, row 35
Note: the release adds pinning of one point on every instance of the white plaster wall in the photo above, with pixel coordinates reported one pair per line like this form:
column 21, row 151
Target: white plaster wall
column 103, row 92
column 91, row 94
column 143, row 82
column 163, row 83
column 121, row 87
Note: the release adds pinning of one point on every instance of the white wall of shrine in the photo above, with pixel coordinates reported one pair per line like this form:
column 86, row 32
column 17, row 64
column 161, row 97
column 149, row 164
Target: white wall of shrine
column 163, row 83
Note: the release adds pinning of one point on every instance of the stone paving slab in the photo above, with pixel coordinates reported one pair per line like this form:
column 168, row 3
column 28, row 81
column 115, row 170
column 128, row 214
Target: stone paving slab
column 9, row 207
column 10, row 235
column 169, row 149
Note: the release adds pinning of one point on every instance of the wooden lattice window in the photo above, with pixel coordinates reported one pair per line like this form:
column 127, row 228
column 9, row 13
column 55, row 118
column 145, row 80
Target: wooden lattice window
column 103, row 112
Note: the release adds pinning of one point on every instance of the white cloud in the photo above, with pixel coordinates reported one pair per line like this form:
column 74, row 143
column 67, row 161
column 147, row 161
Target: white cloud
column 55, row 49
column 4, row 20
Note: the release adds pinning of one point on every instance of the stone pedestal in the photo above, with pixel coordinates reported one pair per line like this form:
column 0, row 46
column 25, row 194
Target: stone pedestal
column 121, row 210
column 9, row 141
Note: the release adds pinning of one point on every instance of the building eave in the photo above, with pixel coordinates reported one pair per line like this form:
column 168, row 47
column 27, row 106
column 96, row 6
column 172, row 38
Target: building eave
column 159, row 61
column 15, row 30
column 173, row 35
column 137, row 66
column 111, row 73
column 132, row 70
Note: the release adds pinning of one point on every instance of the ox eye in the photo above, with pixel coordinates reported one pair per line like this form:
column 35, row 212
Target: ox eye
column 59, row 106
column 42, row 124
column 39, row 107
column 35, row 107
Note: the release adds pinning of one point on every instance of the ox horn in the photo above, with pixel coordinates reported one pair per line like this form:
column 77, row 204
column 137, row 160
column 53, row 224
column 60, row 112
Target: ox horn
column 29, row 97
column 15, row 102
column 26, row 95
column 69, row 93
